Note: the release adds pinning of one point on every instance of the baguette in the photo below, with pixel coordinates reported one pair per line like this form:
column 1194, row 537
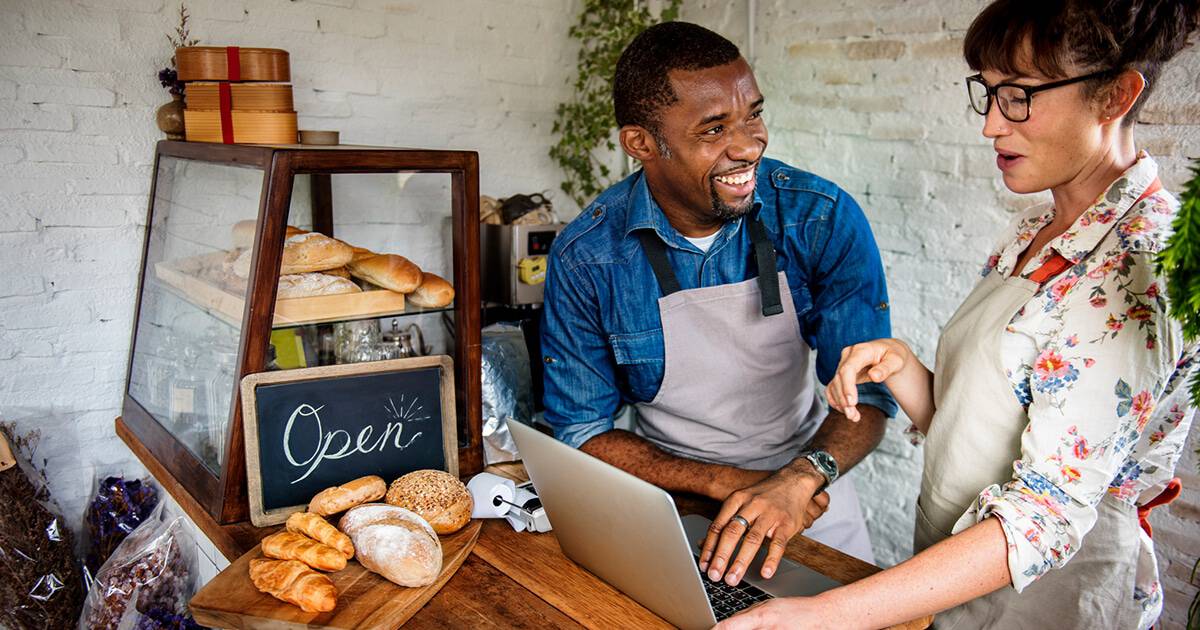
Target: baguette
column 312, row 251
column 389, row 271
column 312, row 284
column 294, row 583
column 293, row 546
column 317, row 528
column 343, row 497
column 433, row 292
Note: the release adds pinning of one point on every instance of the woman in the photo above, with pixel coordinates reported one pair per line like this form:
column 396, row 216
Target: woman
column 1059, row 402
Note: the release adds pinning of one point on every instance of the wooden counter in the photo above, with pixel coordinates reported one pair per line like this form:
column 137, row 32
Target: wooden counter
column 513, row 580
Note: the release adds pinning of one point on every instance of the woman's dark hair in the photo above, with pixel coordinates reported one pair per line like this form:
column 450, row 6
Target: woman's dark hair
column 1095, row 35
column 641, row 87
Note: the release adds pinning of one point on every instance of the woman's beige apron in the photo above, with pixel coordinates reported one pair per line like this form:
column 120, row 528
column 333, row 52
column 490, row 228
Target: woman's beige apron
column 737, row 386
column 973, row 440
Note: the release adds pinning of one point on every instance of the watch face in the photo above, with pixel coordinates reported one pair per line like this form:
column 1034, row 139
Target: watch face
column 825, row 462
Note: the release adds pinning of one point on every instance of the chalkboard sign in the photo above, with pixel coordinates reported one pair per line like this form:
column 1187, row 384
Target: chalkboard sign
column 309, row 429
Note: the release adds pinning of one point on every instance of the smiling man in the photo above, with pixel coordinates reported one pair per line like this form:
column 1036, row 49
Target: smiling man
column 698, row 290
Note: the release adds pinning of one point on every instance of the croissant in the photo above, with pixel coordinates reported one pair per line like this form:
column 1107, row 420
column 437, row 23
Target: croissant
column 294, row 583
column 318, row 528
column 293, row 546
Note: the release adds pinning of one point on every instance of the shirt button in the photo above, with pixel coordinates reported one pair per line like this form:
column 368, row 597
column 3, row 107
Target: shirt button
column 883, row 306
column 548, row 360
column 596, row 214
column 781, row 177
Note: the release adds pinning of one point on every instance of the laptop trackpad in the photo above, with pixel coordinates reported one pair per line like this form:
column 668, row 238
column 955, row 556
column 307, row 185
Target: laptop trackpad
column 791, row 579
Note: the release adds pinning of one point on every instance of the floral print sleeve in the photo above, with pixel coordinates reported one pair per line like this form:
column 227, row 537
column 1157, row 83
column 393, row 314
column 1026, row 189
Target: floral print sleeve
column 1101, row 370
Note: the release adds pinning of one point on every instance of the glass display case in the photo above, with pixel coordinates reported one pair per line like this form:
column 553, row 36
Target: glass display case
column 227, row 289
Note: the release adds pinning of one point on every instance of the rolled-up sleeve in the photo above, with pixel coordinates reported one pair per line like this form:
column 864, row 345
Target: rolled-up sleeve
column 849, row 291
column 581, row 395
column 1093, row 389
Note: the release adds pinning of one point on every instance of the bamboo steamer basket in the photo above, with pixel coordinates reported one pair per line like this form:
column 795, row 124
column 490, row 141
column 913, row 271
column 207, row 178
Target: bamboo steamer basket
column 259, row 97
column 248, row 127
column 211, row 63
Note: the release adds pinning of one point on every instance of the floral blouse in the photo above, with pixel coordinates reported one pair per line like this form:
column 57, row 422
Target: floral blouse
column 1102, row 372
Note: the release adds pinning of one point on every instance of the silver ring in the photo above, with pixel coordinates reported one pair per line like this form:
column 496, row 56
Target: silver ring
column 740, row 519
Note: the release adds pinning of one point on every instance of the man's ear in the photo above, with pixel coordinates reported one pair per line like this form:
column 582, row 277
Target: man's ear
column 1122, row 94
column 638, row 143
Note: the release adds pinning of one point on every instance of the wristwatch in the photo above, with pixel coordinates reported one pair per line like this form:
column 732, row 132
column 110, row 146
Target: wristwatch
column 825, row 464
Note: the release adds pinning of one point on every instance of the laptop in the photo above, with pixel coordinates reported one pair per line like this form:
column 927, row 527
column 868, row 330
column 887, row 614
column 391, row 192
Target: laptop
column 626, row 531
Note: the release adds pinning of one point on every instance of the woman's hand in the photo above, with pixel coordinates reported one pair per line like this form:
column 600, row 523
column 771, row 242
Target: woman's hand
column 871, row 361
column 793, row 613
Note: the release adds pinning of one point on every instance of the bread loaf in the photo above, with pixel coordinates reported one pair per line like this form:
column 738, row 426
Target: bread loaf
column 340, row 272
column 310, row 284
column 433, row 292
column 310, row 251
column 436, row 496
column 293, row 546
column 243, row 233
column 317, row 528
column 361, row 253
column 388, row 271
column 394, row 543
column 343, row 497
column 295, row 583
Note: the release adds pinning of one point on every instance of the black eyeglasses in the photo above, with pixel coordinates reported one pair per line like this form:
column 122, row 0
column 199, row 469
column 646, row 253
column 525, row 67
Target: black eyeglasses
column 1015, row 99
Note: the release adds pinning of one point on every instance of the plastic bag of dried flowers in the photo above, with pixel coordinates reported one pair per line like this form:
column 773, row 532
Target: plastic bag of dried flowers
column 120, row 505
column 40, row 582
column 147, row 581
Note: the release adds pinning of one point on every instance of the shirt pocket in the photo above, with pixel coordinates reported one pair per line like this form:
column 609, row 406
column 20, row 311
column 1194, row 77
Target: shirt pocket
column 640, row 362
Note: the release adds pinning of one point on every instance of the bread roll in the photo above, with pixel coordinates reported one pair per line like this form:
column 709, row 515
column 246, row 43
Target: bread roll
column 295, row 583
column 343, row 497
column 309, row 284
column 293, row 546
column 394, row 543
column 310, row 251
column 361, row 253
column 317, row 528
column 388, row 271
column 433, row 292
column 436, row 496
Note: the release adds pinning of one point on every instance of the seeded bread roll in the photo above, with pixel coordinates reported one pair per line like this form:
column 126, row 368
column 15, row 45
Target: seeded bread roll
column 434, row 292
column 310, row 284
column 343, row 497
column 310, row 251
column 437, row 496
column 389, row 271
column 394, row 543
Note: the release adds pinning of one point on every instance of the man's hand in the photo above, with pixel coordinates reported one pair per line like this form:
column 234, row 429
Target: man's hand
column 776, row 508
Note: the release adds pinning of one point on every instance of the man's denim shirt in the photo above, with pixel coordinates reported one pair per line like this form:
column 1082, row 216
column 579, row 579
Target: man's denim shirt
column 602, row 339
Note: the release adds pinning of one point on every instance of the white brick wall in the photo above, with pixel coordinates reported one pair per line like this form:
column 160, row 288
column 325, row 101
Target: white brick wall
column 869, row 93
column 865, row 92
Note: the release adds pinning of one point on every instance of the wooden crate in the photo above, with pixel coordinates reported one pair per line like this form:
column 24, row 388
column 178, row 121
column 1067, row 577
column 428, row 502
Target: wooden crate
column 248, row 127
column 257, row 97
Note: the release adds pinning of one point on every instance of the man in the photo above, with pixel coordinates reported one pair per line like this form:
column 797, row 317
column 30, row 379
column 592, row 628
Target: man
column 696, row 290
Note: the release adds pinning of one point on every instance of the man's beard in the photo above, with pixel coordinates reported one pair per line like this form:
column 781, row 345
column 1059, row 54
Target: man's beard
column 724, row 211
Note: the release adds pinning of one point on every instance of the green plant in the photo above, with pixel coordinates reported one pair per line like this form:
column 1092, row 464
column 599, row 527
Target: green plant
column 1180, row 263
column 586, row 122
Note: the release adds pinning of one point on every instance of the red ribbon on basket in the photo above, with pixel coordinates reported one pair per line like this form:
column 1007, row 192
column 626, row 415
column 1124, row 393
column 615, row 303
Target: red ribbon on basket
column 226, row 107
column 233, row 59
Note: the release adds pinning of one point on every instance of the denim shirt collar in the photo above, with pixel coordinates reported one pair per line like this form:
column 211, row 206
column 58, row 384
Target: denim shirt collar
column 644, row 212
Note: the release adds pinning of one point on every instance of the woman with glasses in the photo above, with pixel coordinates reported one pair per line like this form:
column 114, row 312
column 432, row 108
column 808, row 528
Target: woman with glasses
column 1059, row 402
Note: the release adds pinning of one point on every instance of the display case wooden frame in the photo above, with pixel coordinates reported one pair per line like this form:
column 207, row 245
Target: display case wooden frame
column 225, row 495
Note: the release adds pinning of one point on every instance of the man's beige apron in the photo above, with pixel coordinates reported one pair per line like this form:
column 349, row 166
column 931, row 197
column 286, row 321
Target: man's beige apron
column 973, row 440
column 737, row 385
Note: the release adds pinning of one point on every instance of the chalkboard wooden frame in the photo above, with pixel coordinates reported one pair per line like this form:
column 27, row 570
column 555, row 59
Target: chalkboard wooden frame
column 261, row 517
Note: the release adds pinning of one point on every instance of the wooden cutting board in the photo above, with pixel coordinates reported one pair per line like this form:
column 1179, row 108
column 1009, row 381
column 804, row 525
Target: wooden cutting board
column 365, row 599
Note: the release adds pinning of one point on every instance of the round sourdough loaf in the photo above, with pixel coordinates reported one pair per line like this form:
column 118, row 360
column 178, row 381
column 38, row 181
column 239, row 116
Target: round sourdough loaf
column 394, row 542
column 389, row 271
column 437, row 496
column 434, row 292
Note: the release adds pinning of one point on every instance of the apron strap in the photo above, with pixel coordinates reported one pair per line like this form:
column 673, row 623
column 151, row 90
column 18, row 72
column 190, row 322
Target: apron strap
column 768, row 278
column 1169, row 494
column 656, row 253
column 1058, row 264
column 764, row 257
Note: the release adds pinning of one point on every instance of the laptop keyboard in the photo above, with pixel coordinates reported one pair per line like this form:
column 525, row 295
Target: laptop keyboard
column 727, row 600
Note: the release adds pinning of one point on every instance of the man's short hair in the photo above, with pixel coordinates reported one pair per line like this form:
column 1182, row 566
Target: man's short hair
column 641, row 87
